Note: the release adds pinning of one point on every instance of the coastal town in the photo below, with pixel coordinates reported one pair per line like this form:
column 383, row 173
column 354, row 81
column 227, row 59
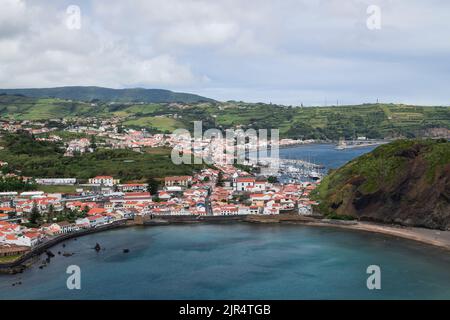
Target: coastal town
column 32, row 218
column 83, row 133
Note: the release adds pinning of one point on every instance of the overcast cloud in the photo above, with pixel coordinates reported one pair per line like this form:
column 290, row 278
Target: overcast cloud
column 290, row 51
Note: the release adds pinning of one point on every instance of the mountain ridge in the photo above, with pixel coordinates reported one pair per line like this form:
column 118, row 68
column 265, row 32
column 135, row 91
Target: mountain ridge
column 90, row 93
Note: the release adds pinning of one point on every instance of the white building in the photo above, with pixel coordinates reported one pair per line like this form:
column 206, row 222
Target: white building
column 56, row 181
column 104, row 180
column 242, row 183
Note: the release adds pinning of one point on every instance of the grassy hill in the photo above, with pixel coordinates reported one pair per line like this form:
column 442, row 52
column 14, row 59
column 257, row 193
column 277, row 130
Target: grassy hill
column 405, row 182
column 107, row 94
column 370, row 120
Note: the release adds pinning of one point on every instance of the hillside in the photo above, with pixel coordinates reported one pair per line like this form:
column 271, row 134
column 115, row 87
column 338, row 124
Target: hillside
column 370, row 120
column 107, row 94
column 405, row 182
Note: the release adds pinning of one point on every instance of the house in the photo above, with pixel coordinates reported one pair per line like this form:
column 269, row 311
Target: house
column 260, row 198
column 3, row 216
column 104, row 180
column 133, row 187
column 33, row 238
column 56, row 181
column 12, row 250
column 228, row 210
column 272, row 208
column 260, row 185
column 242, row 183
column 98, row 220
column 305, row 210
column 7, row 210
column 67, row 227
column 51, row 228
column 28, row 239
column 137, row 196
column 183, row 181
column 254, row 210
column 164, row 195
column 83, row 223
column 96, row 211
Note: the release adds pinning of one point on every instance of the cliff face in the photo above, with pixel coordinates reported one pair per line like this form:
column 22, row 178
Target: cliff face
column 405, row 182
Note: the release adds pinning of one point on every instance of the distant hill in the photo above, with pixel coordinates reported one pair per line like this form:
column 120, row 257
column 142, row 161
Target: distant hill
column 405, row 182
column 108, row 95
column 374, row 121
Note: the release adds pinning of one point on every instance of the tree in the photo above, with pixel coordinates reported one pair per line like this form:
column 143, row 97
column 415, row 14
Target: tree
column 153, row 185
column 35, row 215
column 51, row 211
column 219, row 182
column 93, row 145
column 272, row 179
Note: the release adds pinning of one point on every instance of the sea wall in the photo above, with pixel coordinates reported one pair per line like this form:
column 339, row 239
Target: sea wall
column 18, row 265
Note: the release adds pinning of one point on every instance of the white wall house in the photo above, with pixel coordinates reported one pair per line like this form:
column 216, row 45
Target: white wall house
column 104, row 180
column 241, row 184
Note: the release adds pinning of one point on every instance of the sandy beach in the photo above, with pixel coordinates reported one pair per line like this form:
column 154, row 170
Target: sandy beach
column 429, row 236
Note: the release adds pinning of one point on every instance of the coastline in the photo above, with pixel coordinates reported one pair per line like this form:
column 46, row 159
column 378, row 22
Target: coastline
column 432, row 237
column 26, row 260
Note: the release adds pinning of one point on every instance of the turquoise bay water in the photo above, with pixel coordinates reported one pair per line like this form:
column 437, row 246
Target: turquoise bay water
column 237, row 261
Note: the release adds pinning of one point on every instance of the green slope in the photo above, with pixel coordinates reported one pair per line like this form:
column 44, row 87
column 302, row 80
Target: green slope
column 406, row 182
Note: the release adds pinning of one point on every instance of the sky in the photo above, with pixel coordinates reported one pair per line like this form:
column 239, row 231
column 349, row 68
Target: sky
column 315, row 52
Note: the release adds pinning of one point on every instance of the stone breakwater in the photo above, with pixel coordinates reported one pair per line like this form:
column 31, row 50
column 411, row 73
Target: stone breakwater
column 27, row 259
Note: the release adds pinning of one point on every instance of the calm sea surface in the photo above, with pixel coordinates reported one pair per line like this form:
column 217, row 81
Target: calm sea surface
column 325, row 154
column 237, row 261
column 240, row 261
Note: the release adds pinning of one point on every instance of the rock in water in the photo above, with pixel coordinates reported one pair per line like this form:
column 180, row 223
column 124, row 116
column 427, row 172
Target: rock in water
column 126, row 250
column 49, row 254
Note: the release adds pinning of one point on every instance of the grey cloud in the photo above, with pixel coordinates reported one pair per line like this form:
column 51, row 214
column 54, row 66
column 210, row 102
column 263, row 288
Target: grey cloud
column 280, row 51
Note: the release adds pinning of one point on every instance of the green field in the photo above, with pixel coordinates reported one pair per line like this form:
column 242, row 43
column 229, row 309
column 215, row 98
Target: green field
column 8, row 259
column 159, row 123
column 57, row 189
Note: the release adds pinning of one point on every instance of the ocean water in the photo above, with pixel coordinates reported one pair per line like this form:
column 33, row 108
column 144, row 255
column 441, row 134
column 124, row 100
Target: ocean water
column 237, row 261
column 324, row 154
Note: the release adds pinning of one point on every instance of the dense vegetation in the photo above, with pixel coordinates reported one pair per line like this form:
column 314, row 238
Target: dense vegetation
column 406, row 181
column 43, row 159
column 327, row 123
column 14, row 184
